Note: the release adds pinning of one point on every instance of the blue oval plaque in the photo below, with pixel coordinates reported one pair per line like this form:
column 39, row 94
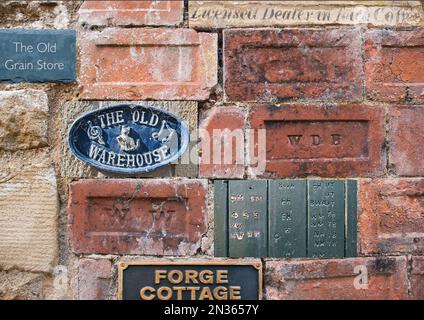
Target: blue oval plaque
column 128, row 138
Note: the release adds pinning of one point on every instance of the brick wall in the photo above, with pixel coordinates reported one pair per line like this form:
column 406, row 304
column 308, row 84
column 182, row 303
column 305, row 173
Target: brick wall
column 341, row 98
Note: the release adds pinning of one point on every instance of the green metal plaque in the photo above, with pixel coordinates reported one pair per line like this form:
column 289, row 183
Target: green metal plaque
column 247, row 219
column 326, row 218
column 287, row 218
column 351, row 218
column 221, row 218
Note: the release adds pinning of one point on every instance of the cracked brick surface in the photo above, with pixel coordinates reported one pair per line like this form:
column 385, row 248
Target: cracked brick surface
column 278, row 64
column 148, row 217
column 394, row 65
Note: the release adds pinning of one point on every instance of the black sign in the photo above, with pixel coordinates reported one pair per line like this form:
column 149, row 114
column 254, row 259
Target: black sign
column 128, row 138
column 285, row 218
column 37, row 55
column 190, row 281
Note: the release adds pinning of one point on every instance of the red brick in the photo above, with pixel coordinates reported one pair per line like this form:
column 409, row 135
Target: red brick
column 391, row 216
column 302, row 140
column 136, row 64
column 131, row 13
column 273, row 64
column 406, row 138
column 335, row 279
column 394, row 65
column 151, row 217
column 94, row 279
column 417, row 278
column 222, row 143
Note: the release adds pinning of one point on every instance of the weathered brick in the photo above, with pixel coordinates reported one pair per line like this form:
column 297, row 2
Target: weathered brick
column 222, row 143
column 132, row 13
column 406, row 138
column 94, row 279
column 28, row 212
column 137, row 64
column 417, row 278
column 345, row 140
column 269, row 65
column 394, row 65
column 337, row 279
column 129, row 216
column 72, row 167
column 23, row 119
column 391, row 215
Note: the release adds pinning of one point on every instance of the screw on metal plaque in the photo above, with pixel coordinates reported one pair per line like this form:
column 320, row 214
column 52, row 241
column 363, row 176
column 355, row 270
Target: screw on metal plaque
column 128, row 139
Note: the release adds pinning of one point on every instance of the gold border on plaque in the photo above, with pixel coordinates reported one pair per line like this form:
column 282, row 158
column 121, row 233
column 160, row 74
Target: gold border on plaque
column 124, row 265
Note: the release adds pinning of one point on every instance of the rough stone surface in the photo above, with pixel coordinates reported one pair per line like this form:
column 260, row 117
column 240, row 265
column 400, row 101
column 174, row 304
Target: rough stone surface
column 335, row 279
column 277, row 64
column 394, row 65
column 28, row 212
column 406, row 136
column 391, row 216
column 131, row 13
column 23, row 119
column 138, row 64
column 222, row 152
column 36, row 14
column 72, row 167
column 345, row 140
column 94, row 279
column 417, row 278
column 239, row 14
column 149, row 217
column 16, row 285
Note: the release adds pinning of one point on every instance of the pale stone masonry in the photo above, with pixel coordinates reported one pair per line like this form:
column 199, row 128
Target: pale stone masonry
column 23, row 119
column 28, row 212
column 28, row 191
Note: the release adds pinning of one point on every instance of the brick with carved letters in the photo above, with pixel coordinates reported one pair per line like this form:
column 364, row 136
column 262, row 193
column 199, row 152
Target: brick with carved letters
column 151, row 217
column 218, row 14
column 344, row 140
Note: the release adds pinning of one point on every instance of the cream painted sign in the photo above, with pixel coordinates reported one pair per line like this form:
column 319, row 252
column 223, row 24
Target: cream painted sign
column 226, row 14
